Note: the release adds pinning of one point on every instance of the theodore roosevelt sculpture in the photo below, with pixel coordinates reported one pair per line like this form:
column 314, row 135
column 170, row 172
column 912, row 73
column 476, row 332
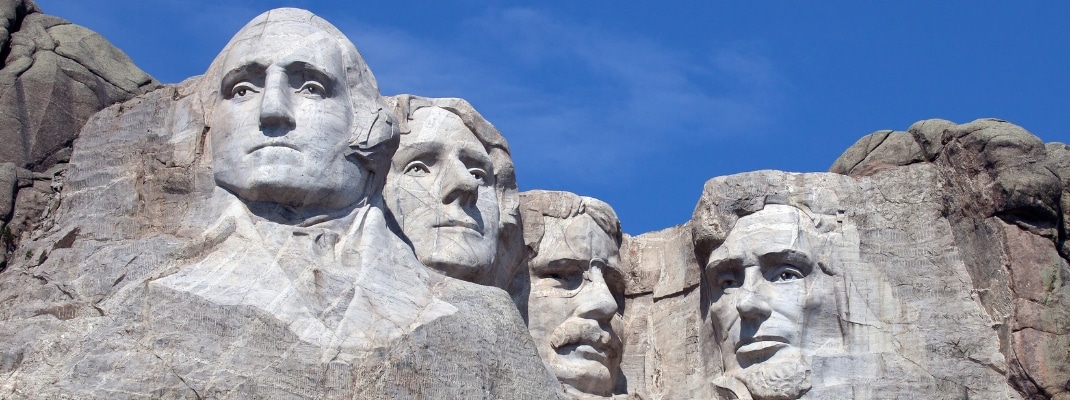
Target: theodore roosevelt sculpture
column 577, row 290
column 452, row 191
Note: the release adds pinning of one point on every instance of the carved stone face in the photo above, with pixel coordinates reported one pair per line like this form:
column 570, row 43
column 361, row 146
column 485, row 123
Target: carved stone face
column 761, row 279
column 282, row 124
column 441, row 190
column 576, row 293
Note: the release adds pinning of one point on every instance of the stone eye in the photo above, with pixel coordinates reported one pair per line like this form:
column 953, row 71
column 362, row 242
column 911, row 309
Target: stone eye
column 417, row 168
column 479, row 174
column 243, row 89
column 569, row 280
column 563, row 275
column 728, row 282
column 787, row 273
column 313, row 88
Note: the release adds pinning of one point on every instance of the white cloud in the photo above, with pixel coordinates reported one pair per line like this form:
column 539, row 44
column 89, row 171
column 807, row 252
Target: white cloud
column 639, row 96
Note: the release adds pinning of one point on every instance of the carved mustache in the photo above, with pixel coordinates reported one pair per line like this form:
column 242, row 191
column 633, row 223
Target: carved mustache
column 588, row 332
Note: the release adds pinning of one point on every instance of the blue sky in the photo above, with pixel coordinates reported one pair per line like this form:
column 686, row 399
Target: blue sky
column 639, row 103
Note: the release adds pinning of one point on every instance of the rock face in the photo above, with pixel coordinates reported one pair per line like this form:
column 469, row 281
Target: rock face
column 858, row 280
column 54, row 75
column 276, row 228
column 947, row 246
column 1005, row 196
column 180, row 263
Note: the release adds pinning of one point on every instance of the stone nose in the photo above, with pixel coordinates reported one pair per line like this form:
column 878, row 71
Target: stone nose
column 752, row 304
column 595, row 299
column 276, row 106
column 458, row 184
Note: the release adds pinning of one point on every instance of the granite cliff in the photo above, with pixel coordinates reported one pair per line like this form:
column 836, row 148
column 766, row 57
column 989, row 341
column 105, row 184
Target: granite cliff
column 54, row 75
column 276, row 228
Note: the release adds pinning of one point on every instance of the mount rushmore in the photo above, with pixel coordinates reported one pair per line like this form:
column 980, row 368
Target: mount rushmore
column 277, row 228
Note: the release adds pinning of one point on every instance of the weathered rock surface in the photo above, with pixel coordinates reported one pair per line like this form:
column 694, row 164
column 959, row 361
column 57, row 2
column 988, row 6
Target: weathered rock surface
column 150, row 280
column 54, row 75
column 91, row 310
column 1006, row 199
column 929, row 263
column 897, row 319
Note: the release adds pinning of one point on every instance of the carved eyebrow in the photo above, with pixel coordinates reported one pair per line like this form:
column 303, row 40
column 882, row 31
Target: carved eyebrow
column 478, row 157
column 718, row 262
column 254, row 69
column 719, row 265
column 310, row 71
column 562, row 265
column 796, row 257
column 418, row 151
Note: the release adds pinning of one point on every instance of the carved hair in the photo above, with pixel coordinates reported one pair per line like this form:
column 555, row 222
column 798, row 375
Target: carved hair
column 537, row 204
column 723, row 203
column 374, row 132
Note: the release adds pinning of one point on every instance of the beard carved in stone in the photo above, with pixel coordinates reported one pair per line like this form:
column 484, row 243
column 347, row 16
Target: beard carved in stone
column 761, row 279
column 441, row 190
column 282, row 124
column 576, row 296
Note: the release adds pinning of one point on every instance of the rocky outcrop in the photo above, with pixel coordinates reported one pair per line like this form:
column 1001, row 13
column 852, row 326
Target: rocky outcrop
column 1005, row 197
column 54, row 75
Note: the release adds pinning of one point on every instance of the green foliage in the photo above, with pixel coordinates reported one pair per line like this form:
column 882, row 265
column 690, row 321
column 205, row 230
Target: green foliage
column 8, row 238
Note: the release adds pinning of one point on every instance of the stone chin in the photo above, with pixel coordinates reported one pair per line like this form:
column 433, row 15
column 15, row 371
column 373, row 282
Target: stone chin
column 458, row 263
column 290, row 185
column 457, row 251
column 583, row 374
column 785, row 376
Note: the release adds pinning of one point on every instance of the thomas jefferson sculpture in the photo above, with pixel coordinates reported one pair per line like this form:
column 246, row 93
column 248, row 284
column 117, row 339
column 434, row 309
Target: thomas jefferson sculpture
column 452, row 191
